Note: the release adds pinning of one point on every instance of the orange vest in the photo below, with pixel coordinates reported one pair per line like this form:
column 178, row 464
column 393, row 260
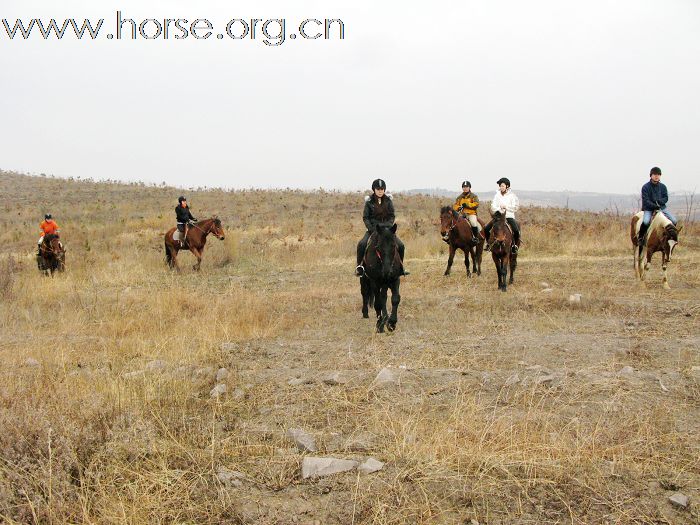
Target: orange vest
column 48, row 227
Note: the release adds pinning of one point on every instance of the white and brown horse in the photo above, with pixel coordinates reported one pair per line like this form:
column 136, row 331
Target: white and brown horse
column 662, row 236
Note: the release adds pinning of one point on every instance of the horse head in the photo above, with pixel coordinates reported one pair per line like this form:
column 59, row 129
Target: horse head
column 386, row 248
column 670, row 238
column 447, row 221
column 216, row 228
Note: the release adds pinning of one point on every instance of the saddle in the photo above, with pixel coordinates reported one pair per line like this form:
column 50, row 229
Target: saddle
column 371, row 241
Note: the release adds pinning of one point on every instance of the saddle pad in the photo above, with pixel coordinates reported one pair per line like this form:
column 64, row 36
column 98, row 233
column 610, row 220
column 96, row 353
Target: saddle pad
column 177, row 235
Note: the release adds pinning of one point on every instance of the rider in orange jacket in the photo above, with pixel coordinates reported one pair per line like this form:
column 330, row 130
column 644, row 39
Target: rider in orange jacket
column 48, row 226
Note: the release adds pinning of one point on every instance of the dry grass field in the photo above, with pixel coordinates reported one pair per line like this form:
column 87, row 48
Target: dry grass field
column 515, row 408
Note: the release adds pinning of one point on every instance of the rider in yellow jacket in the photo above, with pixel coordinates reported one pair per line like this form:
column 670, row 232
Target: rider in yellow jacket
column 467, row 204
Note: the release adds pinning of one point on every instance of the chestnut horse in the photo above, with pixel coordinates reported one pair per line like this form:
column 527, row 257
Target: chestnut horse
column 457, row 233
column 383, row 269
column 502, row 250
column 52, row 255
column 662, row 236
column 196, row 239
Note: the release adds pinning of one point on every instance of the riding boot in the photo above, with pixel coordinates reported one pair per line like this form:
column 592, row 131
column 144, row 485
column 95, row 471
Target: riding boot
column 641, row 236
column 516, row 244
column 475, row 233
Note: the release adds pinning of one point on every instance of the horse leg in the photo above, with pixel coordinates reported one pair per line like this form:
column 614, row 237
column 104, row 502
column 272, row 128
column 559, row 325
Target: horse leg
column 664, row 265
column 395, row 300
column 381, row 314
column 198, row 255
column 466, row 261
column 450, row 259
column 513, row 265
column 365, row 291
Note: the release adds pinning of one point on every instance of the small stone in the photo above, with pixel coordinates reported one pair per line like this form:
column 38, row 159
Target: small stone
column 386, row 376
column 512, row 380
column 206, row 372
column 370, row 465
column 30, row 361
column 626, row 370
column 545, row 380
column 575, row 298
column 229, row 347
column 679, row 500
column 221, row 375
column 545, row 285
column 547, row 290
column 158, row 364
column 238, row 394
column 230, row 478
column 298, row 381
column 218, row 391
column 334, row 378
column 304, row 442
column 319, row 467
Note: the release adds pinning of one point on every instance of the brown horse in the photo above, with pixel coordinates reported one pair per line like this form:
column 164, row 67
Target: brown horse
column 52, row 255
column 457, row 233
column 502, row 250
column 662, row 236
column 196, row 239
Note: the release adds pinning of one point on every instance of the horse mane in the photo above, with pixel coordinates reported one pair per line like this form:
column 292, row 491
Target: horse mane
column 446, row 209
column 50, row 237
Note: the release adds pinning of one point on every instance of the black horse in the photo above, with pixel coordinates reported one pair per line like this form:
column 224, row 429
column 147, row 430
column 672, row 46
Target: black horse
column 367, row 295
column 502, row 251
column 383, row 270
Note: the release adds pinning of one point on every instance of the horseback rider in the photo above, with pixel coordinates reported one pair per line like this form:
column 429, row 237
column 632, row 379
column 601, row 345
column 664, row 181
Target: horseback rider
column 379, row 209
column 505, row 202
column 184, row 218
column 467, row 204
column 48, row 227
column 654, row 198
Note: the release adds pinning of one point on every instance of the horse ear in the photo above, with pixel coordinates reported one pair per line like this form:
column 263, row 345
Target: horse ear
column 394, row 228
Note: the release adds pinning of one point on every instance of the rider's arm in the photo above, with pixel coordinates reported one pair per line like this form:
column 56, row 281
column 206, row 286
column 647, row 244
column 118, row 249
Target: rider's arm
column 367, row 216
column 647, row 204
column 663, row 195
column 473, row 203
column 392, row 215
column 514, row 203
column 496, row 203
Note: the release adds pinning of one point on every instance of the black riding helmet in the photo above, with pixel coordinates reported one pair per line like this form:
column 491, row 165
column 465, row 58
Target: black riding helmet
column 503, row 180
column 180, row 199
column 378, row 184
column 466, row 184
column 47, row 216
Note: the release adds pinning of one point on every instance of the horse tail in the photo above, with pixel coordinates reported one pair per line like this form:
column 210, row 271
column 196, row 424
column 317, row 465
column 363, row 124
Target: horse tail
column 168, row 256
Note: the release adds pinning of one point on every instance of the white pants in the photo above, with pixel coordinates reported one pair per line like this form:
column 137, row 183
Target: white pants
column 41, row 239
column 472, row 221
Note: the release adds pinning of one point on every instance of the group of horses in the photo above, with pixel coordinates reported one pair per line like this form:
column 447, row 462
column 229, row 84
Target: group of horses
column 383, row 265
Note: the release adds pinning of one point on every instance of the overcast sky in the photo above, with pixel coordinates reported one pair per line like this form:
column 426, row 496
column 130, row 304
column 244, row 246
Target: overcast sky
column 554, row 94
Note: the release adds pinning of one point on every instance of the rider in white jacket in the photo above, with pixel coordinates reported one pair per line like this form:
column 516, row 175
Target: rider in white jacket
column 505, row 202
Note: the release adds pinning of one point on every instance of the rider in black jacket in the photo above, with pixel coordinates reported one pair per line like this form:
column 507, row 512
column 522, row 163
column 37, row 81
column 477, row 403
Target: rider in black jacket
column 184, row 217
column 379, row 209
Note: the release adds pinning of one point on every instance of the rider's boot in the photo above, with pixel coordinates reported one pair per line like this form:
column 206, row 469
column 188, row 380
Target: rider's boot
column 475, row 235
column 641, row 236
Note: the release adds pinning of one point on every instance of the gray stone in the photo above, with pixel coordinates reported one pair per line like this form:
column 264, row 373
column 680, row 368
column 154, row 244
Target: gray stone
column 575, row 298
column 298, row 381
column 680, row 500
column 205, row 372
column 218, row 391
column 238, row 394
column 133, row 375
column 229, row 347
column 319, row 467
column 156, row 365
column 304, row 442
column 547, row 290
column 545, row 380
column 626, row 370
column 230, row 478
column 370, row 465
column 386, row 377
column 221, row 375
column 545, row 285
column 31, row 362
column 512, row 380
column 334, row 378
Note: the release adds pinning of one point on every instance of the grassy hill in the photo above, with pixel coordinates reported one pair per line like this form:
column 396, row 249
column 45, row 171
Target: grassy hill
column 508, row 408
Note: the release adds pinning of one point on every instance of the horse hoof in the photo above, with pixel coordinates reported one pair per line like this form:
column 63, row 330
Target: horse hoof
column 391, row 327
column 365, row 316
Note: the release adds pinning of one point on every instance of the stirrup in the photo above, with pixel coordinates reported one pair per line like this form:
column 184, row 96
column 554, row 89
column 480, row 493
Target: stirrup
column 514, row 249
column 359, row 270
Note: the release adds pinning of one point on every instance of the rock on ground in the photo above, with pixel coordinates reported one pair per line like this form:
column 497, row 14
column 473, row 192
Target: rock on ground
column 221, row 375
column 304, row 442
column 370, row 465
column 218, row 391
column 319, row 467
column 680, row 500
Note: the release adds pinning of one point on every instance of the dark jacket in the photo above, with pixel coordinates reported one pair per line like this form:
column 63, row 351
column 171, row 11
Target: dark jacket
column 376, row 213
column 183, row 214
column 654, row 196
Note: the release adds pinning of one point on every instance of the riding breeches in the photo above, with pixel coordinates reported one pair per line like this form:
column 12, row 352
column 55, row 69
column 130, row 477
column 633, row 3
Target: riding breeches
column 473, row 222
column 648, row 214
column 362, row 247
column 513, row 225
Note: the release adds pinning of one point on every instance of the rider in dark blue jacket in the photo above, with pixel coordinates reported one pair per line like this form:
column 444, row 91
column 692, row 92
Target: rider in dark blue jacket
column 654, row 198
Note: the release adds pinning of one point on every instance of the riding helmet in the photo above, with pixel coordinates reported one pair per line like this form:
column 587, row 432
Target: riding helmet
column 378, row 184
column 47, row 216
column 466, row 183
column 655, row 171
column 180, row 199
column 503, row 180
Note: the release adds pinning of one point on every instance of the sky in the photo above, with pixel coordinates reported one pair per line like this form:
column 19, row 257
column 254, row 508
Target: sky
column 554, row 94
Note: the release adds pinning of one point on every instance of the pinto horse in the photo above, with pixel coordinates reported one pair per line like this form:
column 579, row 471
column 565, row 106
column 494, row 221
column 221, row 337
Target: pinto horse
column 52, row 255
column 457, row 233
column 662, row 236
column 502, row 250
column 383, row 269
column 196, row 239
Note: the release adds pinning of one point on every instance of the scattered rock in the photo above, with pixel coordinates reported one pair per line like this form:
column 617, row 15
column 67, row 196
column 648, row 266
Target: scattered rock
column 229, row 347
column 679, row 500
column 370, row 465
column 230, row 478
column 221, row 375
column 133, row 375
column 298, row 381
column 512, row 380
column 386, row 377
column 205, row 372
column 31, row 362
column 545, row 285
column 218, row 391
column 545, row 380
column 238, row 394
column 304, row 442
column 334, row 378
column 575, row 298
column 626, row 371
column 319, row 467
column 547, row 290
column 156, row 365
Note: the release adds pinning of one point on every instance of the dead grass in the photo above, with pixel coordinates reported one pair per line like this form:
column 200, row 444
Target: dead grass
column 91, row 433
